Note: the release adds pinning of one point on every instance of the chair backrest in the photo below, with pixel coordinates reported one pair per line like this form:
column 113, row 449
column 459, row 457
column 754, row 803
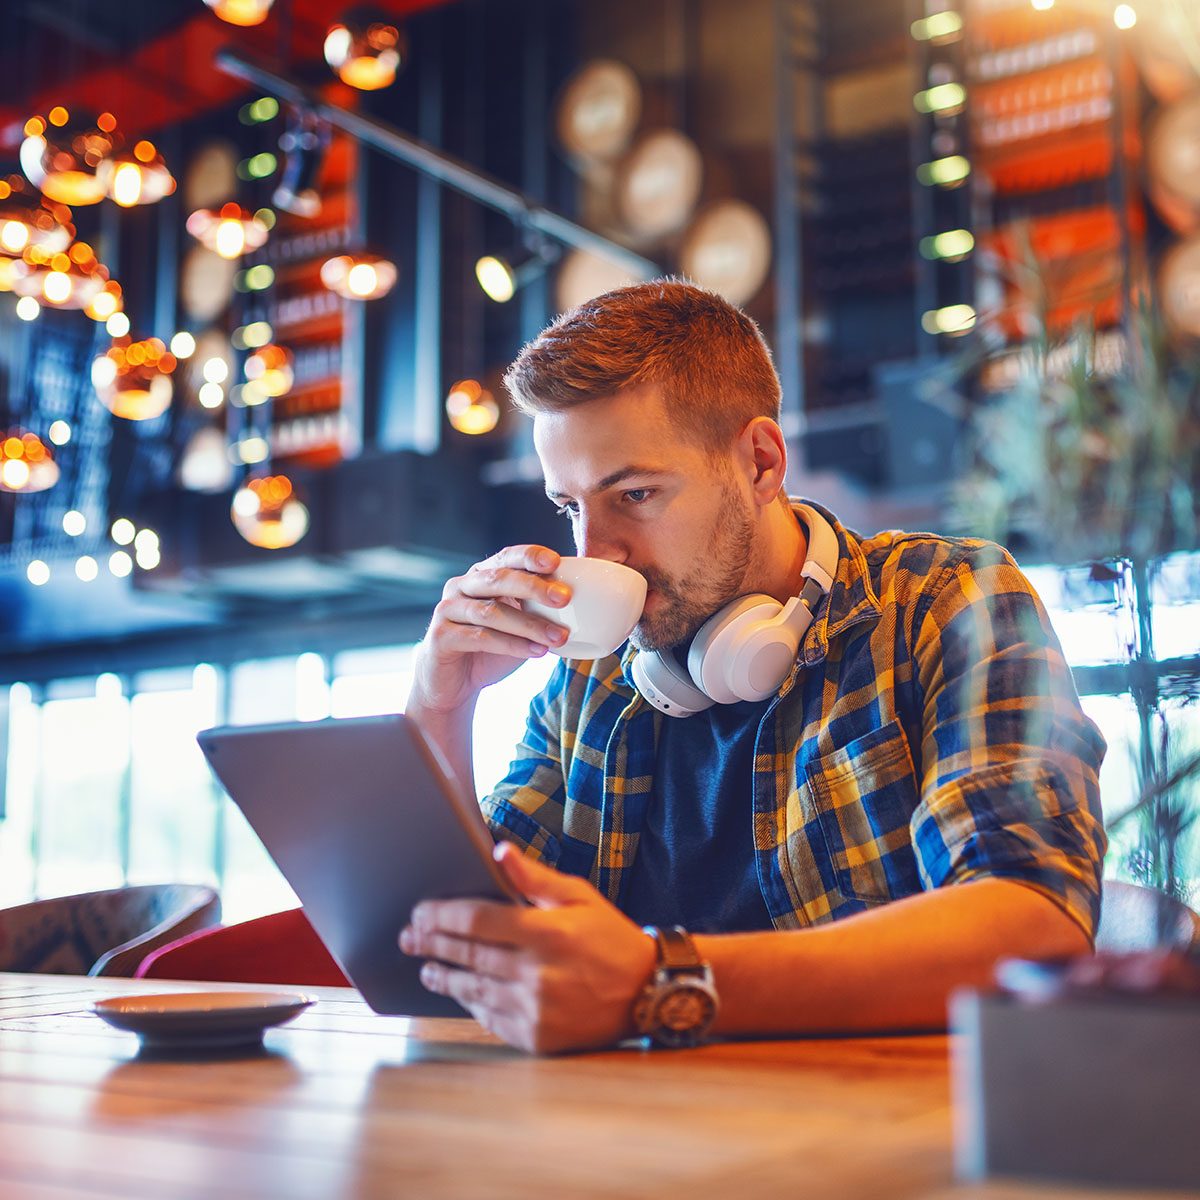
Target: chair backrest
column 280, row 948
column 102, row 933
column 1133, row 917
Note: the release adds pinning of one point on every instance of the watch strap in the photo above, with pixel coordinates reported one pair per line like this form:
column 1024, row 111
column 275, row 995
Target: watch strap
column 676, row 950
column 679, row 974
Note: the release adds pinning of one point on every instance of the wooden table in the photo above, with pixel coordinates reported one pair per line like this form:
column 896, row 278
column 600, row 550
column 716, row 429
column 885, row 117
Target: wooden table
column 344, row 1103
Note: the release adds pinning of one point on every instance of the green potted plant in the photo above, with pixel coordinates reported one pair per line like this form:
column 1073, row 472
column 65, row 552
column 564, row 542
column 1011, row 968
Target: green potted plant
column 1087, row 1070
column 1102, row 468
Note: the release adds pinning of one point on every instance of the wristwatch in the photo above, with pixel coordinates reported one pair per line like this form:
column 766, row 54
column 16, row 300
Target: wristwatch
column 679, row 1004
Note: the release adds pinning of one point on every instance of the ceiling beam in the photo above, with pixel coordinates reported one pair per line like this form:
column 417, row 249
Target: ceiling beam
column 523, row 210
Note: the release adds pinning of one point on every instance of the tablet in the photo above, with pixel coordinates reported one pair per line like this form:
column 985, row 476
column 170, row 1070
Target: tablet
column 364, row 819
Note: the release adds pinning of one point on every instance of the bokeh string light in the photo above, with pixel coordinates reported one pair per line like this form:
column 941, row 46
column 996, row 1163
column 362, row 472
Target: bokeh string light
column 472, row 409
column 229, row 231
column 137, row 176
column 359, row 276
column 269, row 371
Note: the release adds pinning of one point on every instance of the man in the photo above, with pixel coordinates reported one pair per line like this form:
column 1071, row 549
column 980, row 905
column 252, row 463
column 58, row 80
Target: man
column 916, row 801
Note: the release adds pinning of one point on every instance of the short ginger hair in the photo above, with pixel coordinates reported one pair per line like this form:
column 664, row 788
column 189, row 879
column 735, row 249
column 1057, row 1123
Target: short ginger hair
column 708, row 359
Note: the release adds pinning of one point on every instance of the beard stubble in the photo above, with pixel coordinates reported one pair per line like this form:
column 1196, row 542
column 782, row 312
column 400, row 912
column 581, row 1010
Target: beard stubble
column 702, row 591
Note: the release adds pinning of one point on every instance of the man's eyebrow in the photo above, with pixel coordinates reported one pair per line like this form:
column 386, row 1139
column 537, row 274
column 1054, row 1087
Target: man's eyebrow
column 613, row 479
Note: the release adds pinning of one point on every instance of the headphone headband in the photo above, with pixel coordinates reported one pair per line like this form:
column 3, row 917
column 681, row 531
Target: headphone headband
column 821, row 559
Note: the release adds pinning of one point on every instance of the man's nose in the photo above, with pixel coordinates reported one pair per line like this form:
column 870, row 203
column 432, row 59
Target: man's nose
column 592, row 541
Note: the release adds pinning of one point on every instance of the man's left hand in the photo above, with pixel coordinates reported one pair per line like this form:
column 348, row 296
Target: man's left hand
column 560, row 975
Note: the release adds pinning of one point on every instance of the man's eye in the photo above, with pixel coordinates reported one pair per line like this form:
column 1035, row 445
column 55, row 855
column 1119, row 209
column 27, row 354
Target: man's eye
column 567, row 510
column 639, row 495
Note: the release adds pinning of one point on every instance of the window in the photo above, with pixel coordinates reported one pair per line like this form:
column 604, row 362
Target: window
column 174, row 804
column 261, row 692
column 82, row 760
column 500, row 719
column 1176, row 593
column 368, row 683
column 20, row 784
column 104, row 784
column 1085, row 617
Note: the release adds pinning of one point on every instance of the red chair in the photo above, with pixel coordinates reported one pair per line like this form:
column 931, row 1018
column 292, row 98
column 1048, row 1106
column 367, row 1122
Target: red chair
column 280, row 948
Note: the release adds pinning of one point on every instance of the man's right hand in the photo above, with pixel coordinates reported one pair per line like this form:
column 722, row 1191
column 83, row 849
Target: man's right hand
column 480, row 633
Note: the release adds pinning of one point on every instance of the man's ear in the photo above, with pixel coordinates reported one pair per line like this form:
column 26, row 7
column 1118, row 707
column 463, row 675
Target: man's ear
column 762, row 450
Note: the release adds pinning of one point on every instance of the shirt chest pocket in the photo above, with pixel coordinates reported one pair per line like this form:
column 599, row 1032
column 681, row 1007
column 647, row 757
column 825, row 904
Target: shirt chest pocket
column 864, row 795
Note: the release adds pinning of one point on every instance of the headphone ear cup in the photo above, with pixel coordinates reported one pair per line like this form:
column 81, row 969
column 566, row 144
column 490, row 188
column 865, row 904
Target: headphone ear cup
column 716, row 645
column 762, row 660
column 661, row 680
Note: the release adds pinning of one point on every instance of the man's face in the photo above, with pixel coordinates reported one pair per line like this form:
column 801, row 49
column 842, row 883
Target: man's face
column 638, row 492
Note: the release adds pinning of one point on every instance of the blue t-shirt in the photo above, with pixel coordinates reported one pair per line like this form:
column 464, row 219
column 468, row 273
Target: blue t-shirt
column 695, row 864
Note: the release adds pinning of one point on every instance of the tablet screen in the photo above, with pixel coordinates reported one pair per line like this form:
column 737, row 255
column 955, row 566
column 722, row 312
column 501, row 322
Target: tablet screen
column 364, row 820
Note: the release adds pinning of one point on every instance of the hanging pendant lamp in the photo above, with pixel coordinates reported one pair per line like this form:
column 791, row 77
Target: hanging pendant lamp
column 229, row 231
column 133, row 379
column 365, row 49
column 27, row 220
column 137, row 176
column 65, row 280
column 64, row 155
column 241, row 12
column 267, row 512
column 26, row 464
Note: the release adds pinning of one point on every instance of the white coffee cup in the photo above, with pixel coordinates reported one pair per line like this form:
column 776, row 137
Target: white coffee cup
column 606, row 602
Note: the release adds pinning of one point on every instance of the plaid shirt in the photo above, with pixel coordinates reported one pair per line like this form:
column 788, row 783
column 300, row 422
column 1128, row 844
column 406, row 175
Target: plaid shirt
column 928, row 734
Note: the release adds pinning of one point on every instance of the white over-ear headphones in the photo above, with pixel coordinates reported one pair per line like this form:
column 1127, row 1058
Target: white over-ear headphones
column 745, row 651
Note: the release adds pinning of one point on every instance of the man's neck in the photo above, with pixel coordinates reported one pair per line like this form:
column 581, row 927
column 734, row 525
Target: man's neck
column 785, row 548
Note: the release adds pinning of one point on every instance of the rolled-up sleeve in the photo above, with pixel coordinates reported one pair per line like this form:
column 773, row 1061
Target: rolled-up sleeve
column 526, row 806
column 1010, row 762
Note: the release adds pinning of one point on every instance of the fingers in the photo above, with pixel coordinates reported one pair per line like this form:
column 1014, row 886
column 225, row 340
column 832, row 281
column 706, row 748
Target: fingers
column 491, row 982
column 541, row 884
column 462, row 626
column 497, row 616
column 473, row 992
column 450, row 637
column 500, row 1006
column 511, row 583
column 487, row 980
column 478, row 920
column 512, row 1028
column 481, row 611
column 499, row 962
column 538, row 559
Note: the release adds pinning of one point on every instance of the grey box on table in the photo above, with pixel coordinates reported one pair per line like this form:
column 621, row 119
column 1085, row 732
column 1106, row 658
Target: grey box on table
column 1095, row 1090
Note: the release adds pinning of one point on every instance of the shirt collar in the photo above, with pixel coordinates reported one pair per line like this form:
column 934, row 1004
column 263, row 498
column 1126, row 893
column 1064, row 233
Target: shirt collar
column 852, row 599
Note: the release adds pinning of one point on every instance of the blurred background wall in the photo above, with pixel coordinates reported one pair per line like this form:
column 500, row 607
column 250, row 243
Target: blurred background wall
column 244, row 446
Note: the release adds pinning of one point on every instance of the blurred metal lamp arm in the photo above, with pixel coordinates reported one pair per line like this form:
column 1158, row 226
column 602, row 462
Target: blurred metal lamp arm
column 453, row 172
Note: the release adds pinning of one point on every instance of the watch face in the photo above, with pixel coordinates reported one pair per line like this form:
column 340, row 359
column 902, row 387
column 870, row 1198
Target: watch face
column 685, row 1009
